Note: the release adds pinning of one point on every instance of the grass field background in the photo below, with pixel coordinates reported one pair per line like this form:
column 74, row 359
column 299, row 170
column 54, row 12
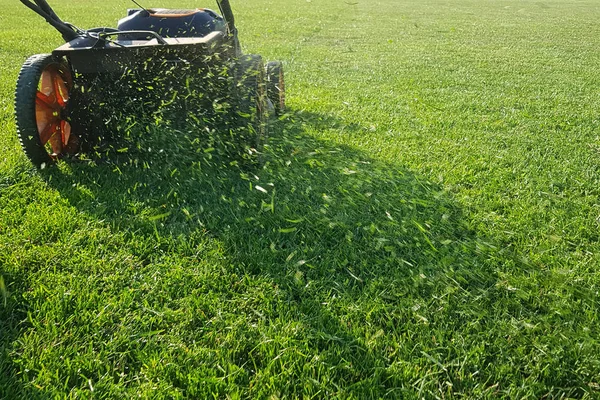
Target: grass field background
column 425, row 225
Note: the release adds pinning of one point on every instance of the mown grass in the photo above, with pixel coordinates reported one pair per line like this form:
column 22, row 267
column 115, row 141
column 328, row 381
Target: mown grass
column 425, row 223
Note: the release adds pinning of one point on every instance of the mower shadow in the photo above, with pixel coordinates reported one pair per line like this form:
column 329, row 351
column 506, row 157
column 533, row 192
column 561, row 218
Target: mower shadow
column 324, row 223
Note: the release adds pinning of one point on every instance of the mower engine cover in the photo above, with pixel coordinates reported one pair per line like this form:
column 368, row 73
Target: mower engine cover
column 171, row 23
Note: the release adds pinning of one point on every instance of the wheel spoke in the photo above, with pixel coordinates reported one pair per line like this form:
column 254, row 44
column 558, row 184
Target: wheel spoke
column 47, row 85
column 42, row 125
column 45, row 100
column 61, row 92
column 47, row 132
column 65, row 129
column 55, row 139
column 66, row 77
column 44, row 115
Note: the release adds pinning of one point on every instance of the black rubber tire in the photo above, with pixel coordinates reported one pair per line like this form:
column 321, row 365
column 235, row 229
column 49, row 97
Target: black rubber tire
column 251, row 99
column 276, row 85
column 25, row 107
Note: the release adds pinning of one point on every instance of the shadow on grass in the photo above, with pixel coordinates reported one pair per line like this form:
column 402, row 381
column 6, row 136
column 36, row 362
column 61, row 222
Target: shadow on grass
column 357, row 258
column 12, row 315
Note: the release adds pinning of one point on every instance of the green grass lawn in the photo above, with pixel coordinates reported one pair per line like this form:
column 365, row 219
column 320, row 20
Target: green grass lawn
column 425, row 224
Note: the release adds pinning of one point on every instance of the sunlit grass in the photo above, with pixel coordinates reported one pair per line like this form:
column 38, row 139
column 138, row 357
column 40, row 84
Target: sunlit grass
column 424, row 222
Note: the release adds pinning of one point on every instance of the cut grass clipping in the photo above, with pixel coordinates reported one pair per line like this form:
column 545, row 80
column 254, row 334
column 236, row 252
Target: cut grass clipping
column 3, row 290
column 423, row 222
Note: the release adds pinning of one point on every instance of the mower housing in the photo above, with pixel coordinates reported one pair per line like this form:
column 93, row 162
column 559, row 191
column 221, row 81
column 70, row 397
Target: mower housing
column 170, row 23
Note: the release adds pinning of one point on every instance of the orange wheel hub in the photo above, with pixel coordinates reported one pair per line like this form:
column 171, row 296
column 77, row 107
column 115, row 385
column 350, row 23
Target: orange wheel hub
column 51, row 110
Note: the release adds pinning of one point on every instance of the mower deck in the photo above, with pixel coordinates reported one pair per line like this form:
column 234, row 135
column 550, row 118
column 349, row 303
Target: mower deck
column 87, row 56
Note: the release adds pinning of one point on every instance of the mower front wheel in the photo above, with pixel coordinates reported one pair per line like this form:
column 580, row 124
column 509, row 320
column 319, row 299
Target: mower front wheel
column 42, row 109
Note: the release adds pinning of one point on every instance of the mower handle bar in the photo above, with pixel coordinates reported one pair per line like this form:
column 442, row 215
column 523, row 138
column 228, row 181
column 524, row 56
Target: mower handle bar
column 227, row 13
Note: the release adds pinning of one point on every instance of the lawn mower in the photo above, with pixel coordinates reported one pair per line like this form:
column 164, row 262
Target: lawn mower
column 65, row 99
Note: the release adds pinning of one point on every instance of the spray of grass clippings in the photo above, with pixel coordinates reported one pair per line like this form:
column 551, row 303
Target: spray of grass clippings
column 3, row 289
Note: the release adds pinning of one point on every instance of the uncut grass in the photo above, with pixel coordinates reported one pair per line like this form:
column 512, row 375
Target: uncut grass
column 426, row 226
